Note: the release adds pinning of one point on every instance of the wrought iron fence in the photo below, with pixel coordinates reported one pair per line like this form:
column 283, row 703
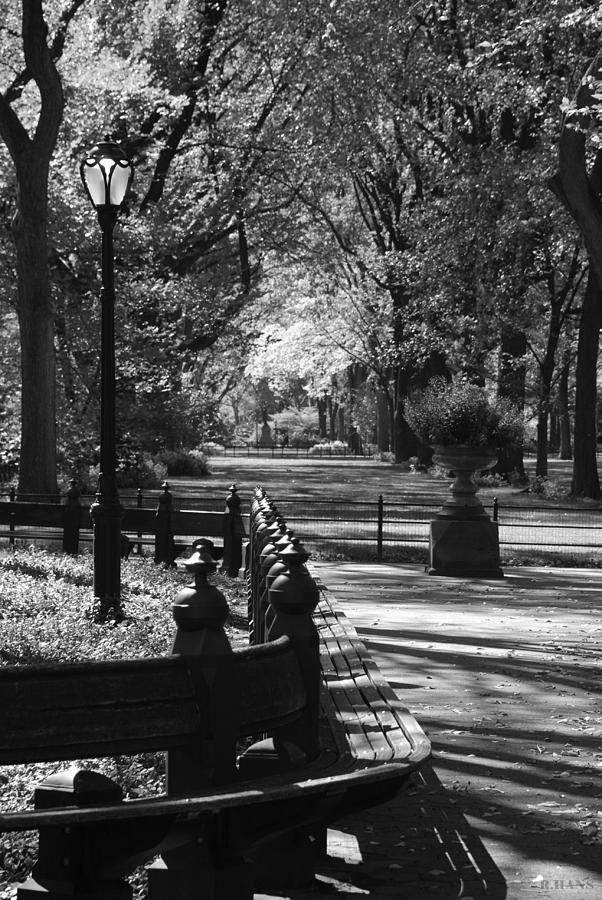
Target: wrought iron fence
column 384, row 529
column 277, row 451
column 389, row 530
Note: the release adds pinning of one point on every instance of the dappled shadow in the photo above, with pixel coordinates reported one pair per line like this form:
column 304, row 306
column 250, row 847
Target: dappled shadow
column 505, row 678
column 522, row 588
column 417, row 845
column 573, row 675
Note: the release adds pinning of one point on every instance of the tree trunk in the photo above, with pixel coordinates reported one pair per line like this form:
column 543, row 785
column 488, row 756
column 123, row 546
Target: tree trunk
column 383, row 439
column 541, row 466
column 405, row 443
column 564, row 418
column 333, row 409
column 511, row 384
column 37, row 469
column 341, row 427
column 578, row 188
column 554, row 436
column 585, row 468
column 322, row 420
column 31, row 157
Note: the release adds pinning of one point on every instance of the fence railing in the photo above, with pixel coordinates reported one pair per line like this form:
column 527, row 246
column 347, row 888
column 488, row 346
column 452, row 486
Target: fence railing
column 389, row 529
column 67, row 520
column 382, row 529
column 277, row 451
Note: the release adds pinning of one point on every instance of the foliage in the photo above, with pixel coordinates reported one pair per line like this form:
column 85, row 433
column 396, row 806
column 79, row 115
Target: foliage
column 211, row 448
column 329, row 448
column 550, row 488
column 135, row 468
column 184, row 462
column 300, row 425
column 47, row 616
column 324, row 192
column 458, row 412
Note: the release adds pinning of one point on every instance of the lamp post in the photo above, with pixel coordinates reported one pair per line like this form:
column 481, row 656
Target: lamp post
column 107, row 175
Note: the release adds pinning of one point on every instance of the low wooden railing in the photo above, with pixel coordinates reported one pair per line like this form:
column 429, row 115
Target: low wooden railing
column 163, row 527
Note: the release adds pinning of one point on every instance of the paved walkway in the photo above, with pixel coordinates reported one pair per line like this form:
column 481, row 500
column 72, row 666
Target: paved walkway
column 506, row 678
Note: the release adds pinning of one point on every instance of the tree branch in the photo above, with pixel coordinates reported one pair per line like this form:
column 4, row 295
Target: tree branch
column 214, row 13
column 14, row 90
column 39, row 62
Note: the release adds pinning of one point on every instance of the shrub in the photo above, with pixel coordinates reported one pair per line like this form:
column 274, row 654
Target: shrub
column 549, row 488
column 458, row 412
column 47, row 616
column 183, row 462
column 210, row 448
column 334, row 448
column 135, row 469
column 384, row 456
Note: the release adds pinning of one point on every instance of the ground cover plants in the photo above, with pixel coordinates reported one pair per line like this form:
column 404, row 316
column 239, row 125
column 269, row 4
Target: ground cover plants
column 47, row 615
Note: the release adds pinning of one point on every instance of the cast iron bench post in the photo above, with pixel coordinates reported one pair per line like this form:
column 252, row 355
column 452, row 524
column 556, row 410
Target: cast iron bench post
column 290, row 859
column 234, row 532
column 200, row 611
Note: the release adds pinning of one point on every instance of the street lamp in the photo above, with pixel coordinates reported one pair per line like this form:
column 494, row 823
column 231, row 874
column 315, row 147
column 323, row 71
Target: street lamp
column 107, row 174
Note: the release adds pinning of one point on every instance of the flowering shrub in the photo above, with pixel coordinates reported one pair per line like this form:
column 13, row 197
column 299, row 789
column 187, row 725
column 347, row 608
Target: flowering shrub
column 461, row 413
column 334, row 448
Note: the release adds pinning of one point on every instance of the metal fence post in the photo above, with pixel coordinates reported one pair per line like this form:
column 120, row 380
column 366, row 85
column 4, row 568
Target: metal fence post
column 379, row 529
column 12, row 496
column 139, row 506
column 164, row 543
column 71, row 520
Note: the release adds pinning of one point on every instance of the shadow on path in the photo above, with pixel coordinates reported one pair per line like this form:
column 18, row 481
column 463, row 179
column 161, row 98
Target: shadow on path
column 416, row 845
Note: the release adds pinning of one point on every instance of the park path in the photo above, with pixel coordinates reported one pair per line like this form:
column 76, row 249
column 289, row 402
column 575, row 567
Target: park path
column 506, row 678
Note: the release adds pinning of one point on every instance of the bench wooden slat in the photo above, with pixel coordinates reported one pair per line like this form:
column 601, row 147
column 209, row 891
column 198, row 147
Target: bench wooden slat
column 23, row 534
column 95, row 740
column 105, row 708
column 43, row 514
column 199, row 523
column 365, row 728
column 391, row 726
column 270, row 685
column 135, row 519
column 376, row 722
column 99, row 709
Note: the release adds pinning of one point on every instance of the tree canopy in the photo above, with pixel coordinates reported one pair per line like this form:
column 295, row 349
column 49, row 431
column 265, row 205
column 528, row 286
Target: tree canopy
column 335, row 199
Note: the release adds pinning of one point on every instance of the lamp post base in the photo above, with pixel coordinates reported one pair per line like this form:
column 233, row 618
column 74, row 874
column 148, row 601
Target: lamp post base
column 106, row 548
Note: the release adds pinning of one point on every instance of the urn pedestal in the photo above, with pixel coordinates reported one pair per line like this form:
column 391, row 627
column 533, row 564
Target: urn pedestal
column 464, row 542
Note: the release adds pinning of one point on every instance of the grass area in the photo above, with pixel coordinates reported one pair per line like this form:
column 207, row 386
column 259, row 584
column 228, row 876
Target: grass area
column 47, row 615
column 357, row 479
column 533, row 529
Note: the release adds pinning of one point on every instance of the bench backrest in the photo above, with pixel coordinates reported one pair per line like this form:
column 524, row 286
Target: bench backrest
column 181, row 522
column 43, row 515
column 67, row 711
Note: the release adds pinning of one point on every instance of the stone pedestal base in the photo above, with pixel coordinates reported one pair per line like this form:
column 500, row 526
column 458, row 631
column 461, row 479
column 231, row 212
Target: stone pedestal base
column 468, row 548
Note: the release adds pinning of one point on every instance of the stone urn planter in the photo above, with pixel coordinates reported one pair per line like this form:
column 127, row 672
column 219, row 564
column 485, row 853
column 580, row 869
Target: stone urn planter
column 463, row 539
column 464, row 462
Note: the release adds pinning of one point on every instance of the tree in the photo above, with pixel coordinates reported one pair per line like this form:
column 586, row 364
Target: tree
column 578, row 184
column 31, row 156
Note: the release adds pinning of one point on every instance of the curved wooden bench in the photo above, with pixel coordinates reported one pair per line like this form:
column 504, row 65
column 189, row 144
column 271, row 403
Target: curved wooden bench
column 330, row 736
column 375, row 742
column 75, row 711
